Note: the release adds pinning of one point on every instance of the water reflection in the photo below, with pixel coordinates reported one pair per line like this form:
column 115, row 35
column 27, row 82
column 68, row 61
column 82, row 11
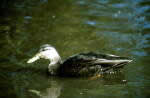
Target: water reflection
column 52, row 92
column 25, row 83
column 120, row 27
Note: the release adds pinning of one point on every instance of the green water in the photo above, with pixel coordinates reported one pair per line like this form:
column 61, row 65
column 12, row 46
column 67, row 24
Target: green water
column 120, row 27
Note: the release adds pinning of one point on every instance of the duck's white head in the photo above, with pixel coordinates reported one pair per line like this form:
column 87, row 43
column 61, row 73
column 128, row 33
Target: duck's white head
column 46, row 52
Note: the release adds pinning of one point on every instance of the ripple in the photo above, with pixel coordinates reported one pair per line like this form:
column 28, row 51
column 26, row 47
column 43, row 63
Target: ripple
column 120, row 5
column 139, row 53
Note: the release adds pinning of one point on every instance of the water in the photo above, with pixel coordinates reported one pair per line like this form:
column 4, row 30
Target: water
column 119, row 27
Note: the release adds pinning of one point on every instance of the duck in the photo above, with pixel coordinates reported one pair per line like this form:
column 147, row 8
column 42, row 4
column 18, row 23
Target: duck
column 81, row 64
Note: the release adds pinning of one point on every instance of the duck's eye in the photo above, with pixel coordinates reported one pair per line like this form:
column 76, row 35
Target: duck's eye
column 43, row 49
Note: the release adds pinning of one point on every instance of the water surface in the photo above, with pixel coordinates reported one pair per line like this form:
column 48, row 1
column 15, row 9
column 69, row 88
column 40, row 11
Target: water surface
column 118, row 27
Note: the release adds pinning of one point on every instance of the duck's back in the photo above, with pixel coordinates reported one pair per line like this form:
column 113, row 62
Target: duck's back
column 88, row 64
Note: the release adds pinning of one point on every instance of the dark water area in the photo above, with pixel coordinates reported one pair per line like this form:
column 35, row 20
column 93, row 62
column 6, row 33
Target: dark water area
column 120, row 27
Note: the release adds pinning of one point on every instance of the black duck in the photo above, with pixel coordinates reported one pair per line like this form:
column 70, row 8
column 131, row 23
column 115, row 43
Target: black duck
column 83, row 64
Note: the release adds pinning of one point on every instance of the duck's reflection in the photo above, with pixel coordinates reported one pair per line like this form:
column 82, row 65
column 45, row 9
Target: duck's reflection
column 52, row 92
column 76, row 85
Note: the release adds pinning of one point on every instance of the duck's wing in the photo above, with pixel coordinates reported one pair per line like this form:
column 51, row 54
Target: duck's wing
column 92, row 58
column 110, row 60
column 89, row 61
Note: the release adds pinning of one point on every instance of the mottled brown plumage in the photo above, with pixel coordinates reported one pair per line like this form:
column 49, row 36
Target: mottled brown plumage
column 88, row 64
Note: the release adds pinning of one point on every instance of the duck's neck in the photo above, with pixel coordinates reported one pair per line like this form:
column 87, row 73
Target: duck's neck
column 55, row 64
column 53, row 68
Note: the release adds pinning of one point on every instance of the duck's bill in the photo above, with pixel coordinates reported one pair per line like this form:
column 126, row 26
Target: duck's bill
column 34, row 58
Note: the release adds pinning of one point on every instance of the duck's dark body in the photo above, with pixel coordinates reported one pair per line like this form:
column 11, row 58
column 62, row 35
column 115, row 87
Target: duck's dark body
column 89, row 64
